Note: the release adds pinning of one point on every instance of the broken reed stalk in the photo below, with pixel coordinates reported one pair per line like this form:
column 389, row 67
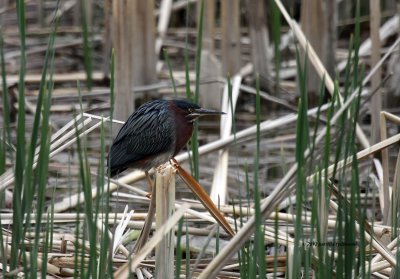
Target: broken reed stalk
column 203, row 197
column 135, row 260
column 165, row 205
column 385, row 200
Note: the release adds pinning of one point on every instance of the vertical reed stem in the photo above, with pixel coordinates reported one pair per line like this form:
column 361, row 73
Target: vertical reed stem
column 165, row 204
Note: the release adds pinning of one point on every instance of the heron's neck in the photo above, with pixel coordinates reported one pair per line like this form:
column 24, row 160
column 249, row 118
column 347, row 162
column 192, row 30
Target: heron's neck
column 184, row 129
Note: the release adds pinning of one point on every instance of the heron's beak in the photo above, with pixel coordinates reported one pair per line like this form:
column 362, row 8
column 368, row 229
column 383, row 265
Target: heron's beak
column 202, row 111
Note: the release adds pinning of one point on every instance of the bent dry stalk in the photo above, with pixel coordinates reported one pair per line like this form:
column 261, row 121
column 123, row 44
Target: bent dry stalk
column 202, row 196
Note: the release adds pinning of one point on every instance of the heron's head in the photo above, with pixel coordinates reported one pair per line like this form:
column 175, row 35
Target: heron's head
column 192, row 111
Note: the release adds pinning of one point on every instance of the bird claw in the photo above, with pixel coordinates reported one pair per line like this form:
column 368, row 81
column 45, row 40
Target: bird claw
column 174, row 163
column 161, row 168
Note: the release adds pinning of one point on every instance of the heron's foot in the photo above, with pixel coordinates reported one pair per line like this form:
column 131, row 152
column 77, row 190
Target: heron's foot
column 161, row 168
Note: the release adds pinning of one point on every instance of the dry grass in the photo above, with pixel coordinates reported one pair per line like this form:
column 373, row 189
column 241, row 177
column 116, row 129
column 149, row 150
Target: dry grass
column 226, row 170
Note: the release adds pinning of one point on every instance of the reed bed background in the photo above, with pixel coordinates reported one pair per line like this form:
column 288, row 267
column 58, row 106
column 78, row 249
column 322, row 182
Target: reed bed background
column 304, row 165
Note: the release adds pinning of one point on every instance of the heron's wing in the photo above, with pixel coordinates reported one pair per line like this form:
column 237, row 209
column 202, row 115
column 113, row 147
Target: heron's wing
column 148, row 131
column 151, row 132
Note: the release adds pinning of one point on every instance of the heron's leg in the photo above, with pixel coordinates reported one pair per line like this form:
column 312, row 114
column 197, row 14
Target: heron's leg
column 144, row 234
column 150, row 184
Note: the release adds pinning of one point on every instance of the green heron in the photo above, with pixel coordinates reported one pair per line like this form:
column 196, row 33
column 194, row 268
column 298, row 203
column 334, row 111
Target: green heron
column 154, row 134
